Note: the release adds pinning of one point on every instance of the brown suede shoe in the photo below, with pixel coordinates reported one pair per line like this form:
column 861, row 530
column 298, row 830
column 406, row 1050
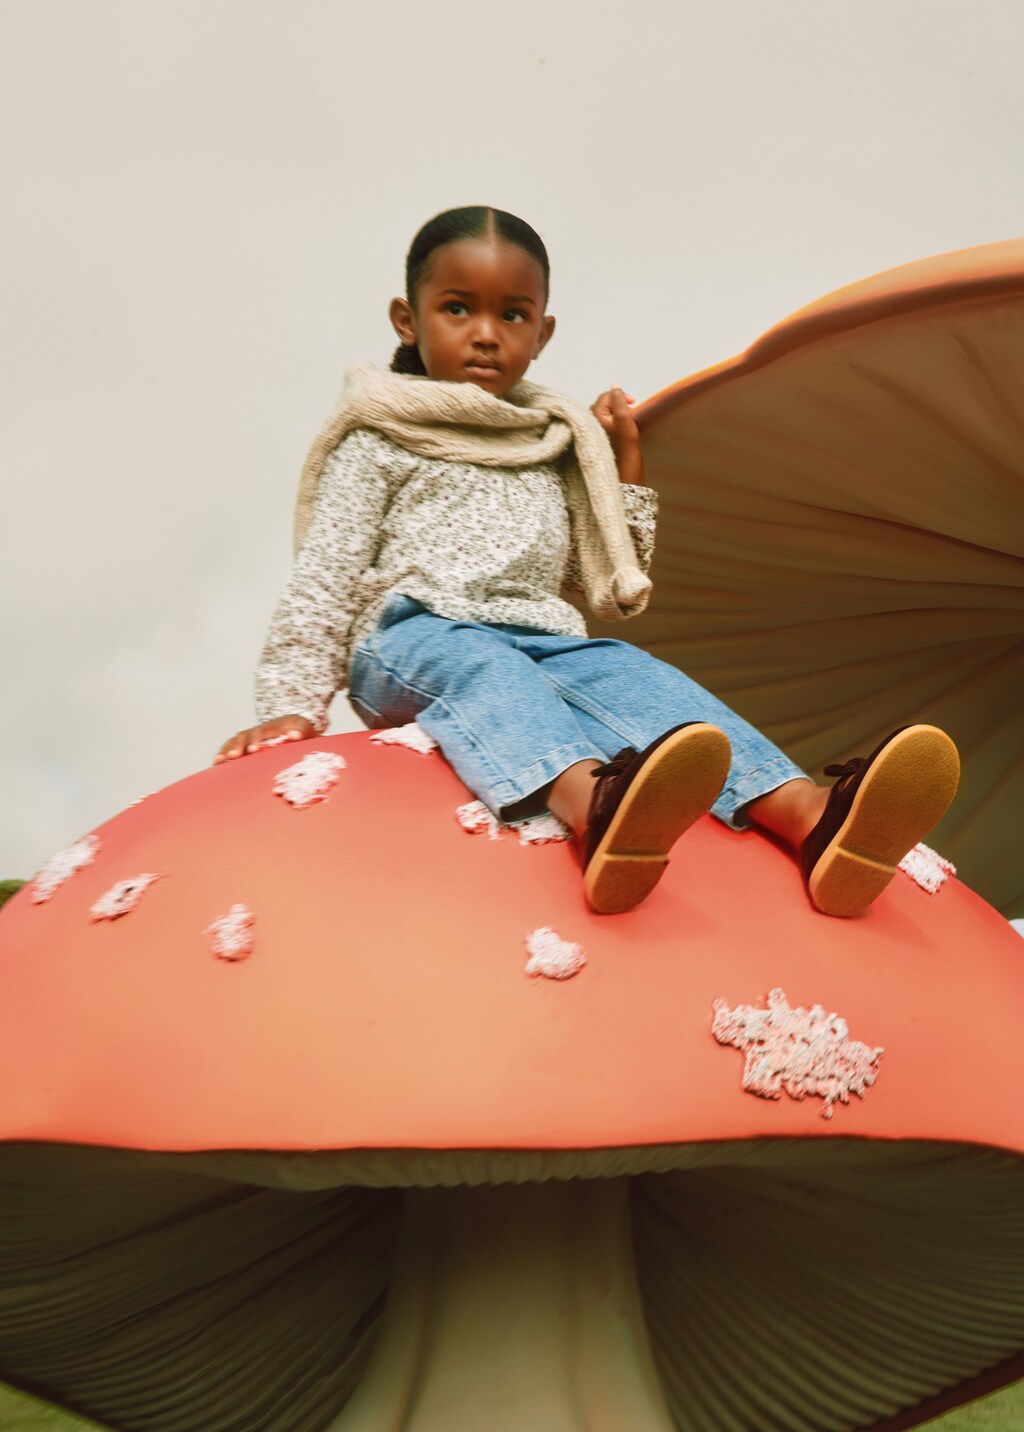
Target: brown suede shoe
column 642, row 804
column 878, row 810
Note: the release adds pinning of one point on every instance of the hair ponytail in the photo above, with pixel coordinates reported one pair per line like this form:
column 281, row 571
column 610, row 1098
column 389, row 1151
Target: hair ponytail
column 406, row 359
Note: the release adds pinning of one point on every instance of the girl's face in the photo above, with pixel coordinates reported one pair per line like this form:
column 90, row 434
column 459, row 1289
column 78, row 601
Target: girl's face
column 478, row 314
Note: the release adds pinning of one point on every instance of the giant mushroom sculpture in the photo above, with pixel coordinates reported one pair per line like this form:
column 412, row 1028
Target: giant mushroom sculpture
column 343, row 1165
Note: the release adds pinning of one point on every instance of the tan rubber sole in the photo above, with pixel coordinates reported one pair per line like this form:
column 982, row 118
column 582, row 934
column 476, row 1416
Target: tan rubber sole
column 906, row 792
column 678, row 785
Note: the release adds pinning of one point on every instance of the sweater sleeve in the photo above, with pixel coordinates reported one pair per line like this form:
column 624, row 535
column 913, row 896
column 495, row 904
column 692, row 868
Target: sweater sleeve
column 641, row 505
column 305, row 655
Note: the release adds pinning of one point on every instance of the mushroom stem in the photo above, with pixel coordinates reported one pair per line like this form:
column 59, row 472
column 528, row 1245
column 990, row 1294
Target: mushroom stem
column 512, row 1307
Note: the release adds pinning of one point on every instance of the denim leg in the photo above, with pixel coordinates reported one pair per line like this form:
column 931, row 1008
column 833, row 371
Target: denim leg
column 501, row 725
column 623, row 696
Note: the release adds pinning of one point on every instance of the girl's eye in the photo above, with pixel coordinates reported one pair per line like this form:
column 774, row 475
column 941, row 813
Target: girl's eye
column 455, row 308
column 514, row 315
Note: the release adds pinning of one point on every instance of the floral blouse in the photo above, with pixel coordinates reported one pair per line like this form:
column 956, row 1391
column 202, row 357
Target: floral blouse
column 471, row 543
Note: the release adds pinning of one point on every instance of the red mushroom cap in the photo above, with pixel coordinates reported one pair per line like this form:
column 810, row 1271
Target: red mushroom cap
column 385, row 1005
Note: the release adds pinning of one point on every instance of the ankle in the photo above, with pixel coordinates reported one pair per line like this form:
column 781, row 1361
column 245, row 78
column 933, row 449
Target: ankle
column 569, row 796
column 791, row 811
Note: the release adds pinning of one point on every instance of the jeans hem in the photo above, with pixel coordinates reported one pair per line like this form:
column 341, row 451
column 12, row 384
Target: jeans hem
column 500, row 794
column 751, row 786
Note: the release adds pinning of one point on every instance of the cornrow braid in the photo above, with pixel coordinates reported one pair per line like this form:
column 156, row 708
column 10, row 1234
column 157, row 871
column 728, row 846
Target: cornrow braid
column 471, row 223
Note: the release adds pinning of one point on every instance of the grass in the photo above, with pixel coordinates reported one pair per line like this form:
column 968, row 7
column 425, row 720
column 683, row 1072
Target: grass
column 1002, row 1412
column 19, row 1413
column 9, row 888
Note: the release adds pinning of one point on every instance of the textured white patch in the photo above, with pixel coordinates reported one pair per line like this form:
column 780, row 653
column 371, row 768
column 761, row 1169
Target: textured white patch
column 139, row 799
column 121, row 898
column 412, row 736
column 60, row 867
column 541, row 829
column 283, row 740
column 927, row 868
column 231, row 935
column 552, row 956
column 309, row 780
column 801, row 1051
column 476, row 818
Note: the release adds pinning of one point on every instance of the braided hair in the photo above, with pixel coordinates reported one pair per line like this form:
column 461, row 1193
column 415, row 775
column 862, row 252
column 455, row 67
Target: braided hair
column 474, row 222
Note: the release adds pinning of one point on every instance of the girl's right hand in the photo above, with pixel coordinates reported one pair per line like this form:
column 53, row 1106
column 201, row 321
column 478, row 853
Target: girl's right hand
column 289, row 728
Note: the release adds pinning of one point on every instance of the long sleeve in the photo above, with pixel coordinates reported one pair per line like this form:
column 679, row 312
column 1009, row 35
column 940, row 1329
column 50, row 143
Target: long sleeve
column 305, row 654
column 641, row 506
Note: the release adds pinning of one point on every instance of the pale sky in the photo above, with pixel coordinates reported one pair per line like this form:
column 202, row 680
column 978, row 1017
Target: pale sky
column 207, row 205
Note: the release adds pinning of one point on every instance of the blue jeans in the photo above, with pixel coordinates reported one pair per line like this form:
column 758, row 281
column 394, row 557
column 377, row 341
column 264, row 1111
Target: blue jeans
column 512, row 707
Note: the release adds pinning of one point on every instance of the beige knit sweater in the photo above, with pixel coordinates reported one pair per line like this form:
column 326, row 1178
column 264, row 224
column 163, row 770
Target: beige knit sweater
column 531, row 425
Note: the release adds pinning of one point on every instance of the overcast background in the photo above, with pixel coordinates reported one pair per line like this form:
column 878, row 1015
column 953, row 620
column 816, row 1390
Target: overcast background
column 206, row 206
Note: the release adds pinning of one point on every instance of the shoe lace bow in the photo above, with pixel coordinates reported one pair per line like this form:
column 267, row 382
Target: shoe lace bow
column 616, row 765
column 845, row 768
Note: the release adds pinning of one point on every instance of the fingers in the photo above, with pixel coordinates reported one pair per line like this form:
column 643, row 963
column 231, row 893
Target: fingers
column 602, row 410
column 623, row 430
column 232, row 747
column 253, row 738
column 612, row 407
column 274, row 733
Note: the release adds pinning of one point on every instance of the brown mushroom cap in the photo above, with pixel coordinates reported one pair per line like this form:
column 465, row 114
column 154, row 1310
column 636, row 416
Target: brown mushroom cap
column 839, row 539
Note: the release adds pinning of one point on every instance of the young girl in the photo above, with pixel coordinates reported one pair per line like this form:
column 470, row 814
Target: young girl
column 443, row 512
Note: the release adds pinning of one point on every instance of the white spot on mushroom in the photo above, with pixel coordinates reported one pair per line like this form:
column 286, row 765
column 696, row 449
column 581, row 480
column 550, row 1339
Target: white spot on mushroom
column 927, row 868
column 309, row 780
column 60, row 868
column 543, row 829
column 121, row 898
column 231, row 935
column 552, row 956
column 412, row 736
column 476, row 818
column 802, row 1051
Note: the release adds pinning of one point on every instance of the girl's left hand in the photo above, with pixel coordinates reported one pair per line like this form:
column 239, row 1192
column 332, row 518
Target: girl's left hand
column 613, row 411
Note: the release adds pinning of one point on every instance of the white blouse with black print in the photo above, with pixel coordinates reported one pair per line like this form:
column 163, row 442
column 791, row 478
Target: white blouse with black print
column 472, row 543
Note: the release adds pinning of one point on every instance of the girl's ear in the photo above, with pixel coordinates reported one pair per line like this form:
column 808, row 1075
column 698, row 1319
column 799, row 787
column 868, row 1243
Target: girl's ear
column 547, row 327
column 403, row 320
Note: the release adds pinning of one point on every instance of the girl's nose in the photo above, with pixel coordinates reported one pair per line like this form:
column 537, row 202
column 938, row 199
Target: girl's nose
column 485, row 331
